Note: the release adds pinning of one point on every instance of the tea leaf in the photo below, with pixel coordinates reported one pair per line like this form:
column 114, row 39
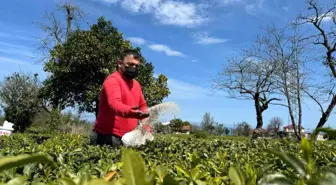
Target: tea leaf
column 291, row 160
column 83, row 179
column 150, row 179
column 180, row 169
column 168, row 180
column 133, row 167
column 236, row 177
column 67, row 181
column 161, row 172
column 17, row 180
column 17, row 161
column 307, row 154
column 275, row 179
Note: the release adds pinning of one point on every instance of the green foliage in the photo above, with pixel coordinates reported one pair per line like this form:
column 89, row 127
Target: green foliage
column 20, row 100
column 55, row 122
column 208, row 123
column 177, row 123
column 221, row 130
column 79, row 66
column 201, row 134
column 242, row 129
column 166, row 160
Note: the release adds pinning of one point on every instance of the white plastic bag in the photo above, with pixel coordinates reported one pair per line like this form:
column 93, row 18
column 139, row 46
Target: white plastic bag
column 135, row 138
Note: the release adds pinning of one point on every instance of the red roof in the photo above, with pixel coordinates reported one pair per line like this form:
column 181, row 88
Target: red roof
column 290, row 126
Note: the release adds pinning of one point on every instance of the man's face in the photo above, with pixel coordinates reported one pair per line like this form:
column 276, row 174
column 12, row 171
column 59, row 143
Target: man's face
column 129, row 61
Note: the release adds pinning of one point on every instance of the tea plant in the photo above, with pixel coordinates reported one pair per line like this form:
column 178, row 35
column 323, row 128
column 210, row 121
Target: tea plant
column 68, row 159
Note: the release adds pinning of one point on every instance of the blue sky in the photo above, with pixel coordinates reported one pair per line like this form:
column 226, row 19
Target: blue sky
column 188, row 41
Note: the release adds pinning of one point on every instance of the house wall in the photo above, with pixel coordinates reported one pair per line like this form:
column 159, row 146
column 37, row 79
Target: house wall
column 292, row 130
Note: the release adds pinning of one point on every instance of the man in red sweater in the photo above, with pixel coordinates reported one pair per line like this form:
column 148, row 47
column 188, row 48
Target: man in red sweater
column 121, row 103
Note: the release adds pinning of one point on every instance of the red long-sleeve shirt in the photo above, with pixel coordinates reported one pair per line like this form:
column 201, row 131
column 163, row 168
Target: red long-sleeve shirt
column 117, row 97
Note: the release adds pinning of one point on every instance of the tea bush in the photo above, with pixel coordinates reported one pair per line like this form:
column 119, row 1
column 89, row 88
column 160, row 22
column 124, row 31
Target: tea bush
column 69, row 159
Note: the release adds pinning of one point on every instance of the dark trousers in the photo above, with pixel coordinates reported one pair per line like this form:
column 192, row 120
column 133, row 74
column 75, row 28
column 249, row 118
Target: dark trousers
column 104, row 139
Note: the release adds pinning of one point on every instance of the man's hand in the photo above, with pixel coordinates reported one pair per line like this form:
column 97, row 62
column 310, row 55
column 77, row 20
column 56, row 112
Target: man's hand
column 139, row 113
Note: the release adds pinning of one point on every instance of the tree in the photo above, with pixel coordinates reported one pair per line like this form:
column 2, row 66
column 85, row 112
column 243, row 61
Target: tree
column 159, row 128
column 220, row 129
column 79, row 66
column 275, row 124
column 208, row 123
column 176, row 124
column 249, row 76
column 242, row 129
column 227, row 131
column 325, row 42
column 19, row 99
column 287, row 49
column 55, row 30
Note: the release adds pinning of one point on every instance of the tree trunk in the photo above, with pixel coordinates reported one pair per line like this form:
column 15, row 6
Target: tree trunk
column 290, row 109
column 298, row 93
column 258, row 131
column 326, row 114
column 70, row 12
column 258, row 111
column 96, row 107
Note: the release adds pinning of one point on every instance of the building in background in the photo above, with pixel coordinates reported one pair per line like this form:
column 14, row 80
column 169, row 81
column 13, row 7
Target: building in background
column 289, row 130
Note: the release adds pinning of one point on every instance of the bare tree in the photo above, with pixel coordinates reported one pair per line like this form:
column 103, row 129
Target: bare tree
column 54, row 29
column 286, row 49
column 249, row 76
column 275, row 124
column 326, row 40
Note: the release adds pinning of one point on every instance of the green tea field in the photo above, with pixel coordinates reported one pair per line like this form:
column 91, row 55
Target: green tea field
column 69, row 159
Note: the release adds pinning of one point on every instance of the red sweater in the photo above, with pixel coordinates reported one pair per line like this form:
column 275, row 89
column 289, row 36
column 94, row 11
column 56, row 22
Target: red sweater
column 117, row 97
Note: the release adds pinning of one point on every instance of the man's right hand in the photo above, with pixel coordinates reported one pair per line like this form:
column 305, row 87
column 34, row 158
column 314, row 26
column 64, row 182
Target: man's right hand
column 140, row 114
column 143, row 114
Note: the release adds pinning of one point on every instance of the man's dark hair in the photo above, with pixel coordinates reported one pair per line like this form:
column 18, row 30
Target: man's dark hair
column 127, row 52
column 133, row 52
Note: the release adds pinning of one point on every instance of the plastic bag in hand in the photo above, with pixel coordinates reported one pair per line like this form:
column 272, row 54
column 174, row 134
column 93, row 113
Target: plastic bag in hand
column 136, row 138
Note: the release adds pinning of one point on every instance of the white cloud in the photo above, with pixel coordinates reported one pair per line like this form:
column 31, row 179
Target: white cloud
column 285, row 8
column 19, row 37
column 165, row 49
column 146, row 6
column 179, row 13
column 182, row 90
column 204, row 38
column 14, row 49
column 227, row 2
column 108, row 1
column 169, row 12
column 156, row 47
column 328, row 17
column 263, row 7
column 259, row 6
column 12, row 60
column 137, row 40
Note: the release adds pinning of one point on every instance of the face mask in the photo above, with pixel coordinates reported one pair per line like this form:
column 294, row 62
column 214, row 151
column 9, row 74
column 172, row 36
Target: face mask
column 130, row 72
